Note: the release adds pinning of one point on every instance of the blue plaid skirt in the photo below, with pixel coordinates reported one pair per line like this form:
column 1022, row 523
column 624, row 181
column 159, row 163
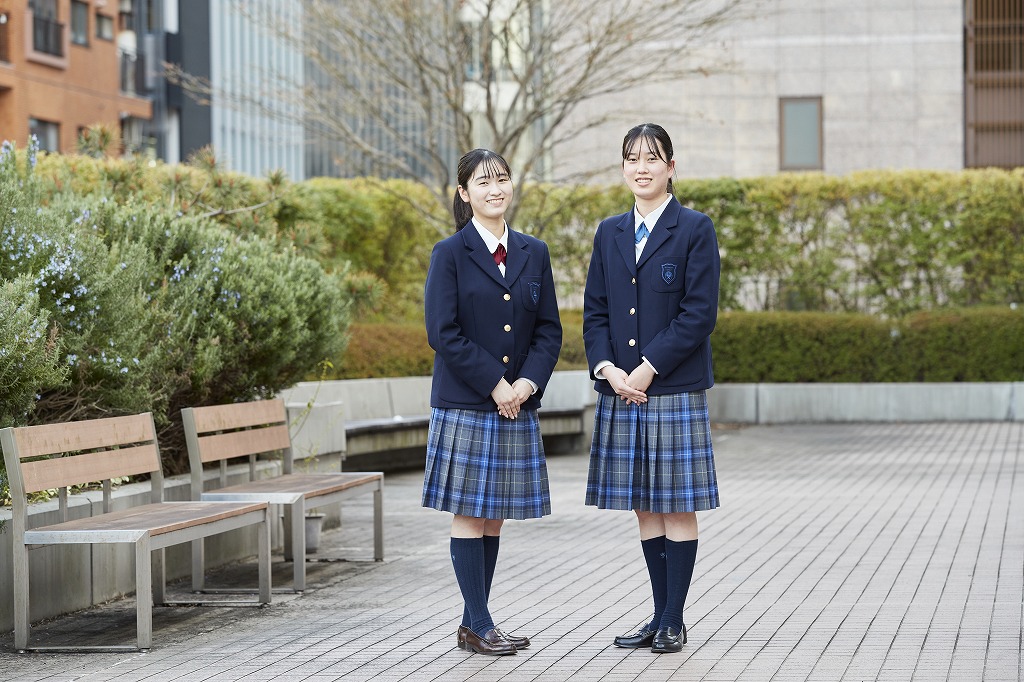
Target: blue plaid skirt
column 483, row 465
column 654, row 457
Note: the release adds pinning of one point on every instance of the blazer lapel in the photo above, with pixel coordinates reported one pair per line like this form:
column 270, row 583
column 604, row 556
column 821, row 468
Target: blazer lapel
column 479, row 254
column 517, row 256
column 624, row 239
column 668, row 220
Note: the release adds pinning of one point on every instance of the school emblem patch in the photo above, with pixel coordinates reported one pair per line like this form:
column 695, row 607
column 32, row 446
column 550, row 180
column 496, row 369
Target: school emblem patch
column 668, row 272
column 535, row 292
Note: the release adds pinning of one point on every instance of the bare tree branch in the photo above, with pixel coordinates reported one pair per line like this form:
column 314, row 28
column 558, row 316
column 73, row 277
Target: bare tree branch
column 402, row 87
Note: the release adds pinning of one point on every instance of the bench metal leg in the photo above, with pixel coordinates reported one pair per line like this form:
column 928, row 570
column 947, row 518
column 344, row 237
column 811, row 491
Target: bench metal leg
column 144, row 592
column 21, row 612
column 198, row 565
column 264, row 558
column 159, row 573
column 295, row 538
column 378, row 523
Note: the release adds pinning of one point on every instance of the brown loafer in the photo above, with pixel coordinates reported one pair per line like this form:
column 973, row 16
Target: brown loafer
column 491, row 643
column 519, row 642
column 461, row 636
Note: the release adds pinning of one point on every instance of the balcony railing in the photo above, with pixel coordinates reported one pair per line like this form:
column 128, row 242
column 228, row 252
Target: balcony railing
column 132, row 72
column 48, row 36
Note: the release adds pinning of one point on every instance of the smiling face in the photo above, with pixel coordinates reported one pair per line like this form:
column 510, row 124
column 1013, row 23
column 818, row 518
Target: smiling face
column 488, row 192
column 647, row 169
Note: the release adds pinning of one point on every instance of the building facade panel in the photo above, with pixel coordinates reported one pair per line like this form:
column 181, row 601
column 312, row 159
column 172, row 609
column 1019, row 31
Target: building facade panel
column 889, row 75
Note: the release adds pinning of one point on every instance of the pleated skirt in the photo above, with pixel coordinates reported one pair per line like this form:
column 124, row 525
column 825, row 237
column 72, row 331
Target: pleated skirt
column 654, row 457
column 483, row 465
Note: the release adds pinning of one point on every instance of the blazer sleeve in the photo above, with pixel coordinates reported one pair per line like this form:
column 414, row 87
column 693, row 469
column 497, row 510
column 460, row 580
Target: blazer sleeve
column 698, row 308
column 470, row 361
column 547, row 331
column 597, row 336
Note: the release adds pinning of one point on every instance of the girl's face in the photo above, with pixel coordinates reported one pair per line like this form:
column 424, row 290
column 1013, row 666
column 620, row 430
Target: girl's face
column 646, row 172
column 488, row 193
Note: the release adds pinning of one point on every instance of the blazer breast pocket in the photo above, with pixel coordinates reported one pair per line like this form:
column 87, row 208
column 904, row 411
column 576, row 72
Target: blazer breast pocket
column 530, row 289
column 666, row 274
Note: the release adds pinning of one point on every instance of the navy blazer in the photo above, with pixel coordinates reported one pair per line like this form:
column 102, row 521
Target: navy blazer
column 483, row 326
column 663, row 307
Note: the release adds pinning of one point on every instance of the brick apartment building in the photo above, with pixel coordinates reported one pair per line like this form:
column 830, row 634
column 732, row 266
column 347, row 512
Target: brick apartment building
column 68, row 64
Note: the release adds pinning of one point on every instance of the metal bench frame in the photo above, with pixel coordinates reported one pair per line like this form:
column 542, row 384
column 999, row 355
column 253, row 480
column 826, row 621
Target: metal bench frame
column 218, row 433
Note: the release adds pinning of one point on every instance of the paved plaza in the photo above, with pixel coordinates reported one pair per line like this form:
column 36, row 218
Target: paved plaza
column 840, row 552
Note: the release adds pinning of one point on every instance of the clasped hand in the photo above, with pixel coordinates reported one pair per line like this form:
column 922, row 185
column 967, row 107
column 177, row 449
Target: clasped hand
column 510, row 397
column 630, row 387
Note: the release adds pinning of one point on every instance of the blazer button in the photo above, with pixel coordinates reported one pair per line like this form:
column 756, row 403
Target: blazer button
column 634, row 281
column 632, row 342
column 632, row 311
column 508, row 297
column 505, row 359
column 508, row 327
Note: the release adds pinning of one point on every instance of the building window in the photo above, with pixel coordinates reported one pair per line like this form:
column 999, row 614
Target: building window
column 104, row 27
column 47, row 132
column 994, row 83
column 47, row 32
column 800, row 143
column 79, row 22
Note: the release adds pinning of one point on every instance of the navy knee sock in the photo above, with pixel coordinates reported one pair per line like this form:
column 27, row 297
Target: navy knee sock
column 468, row 561
column 654, row 554
column 490, row 561
column 679, row 559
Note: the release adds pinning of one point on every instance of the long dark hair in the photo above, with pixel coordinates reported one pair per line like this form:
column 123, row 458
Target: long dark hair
column 494, row 164
column 655, row 137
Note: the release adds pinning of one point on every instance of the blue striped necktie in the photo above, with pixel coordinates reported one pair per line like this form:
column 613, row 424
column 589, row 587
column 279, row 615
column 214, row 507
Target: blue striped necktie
column 641, row 233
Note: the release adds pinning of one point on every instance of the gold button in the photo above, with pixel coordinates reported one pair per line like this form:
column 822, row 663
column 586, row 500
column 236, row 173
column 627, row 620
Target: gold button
column 634, row 280
column 632, row 311
column 508, row 297
column 508, row 327
column 505, row 359
column 632, row 342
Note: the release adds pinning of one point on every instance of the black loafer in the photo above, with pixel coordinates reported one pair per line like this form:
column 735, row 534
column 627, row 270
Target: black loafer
column 641, row 639
column 668, row 641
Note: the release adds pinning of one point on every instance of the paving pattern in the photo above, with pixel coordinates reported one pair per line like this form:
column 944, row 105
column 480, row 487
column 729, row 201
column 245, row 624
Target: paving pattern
column 840, row 552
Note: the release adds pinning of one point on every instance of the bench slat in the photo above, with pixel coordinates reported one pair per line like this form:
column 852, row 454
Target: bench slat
column 241, row 443
column 59, row 472
column 49, row 439
column 239, row 415
column 156, row 519
column 310, row 485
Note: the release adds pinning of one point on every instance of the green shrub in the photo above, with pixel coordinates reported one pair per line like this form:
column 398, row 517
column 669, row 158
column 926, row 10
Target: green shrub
column 801, row 347
column 974, row 344
column 385, row 350
column 30, row 354
column 155, row 310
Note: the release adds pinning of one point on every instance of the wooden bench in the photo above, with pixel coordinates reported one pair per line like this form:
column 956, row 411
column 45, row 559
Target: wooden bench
column 222, row 432
column 75, row 453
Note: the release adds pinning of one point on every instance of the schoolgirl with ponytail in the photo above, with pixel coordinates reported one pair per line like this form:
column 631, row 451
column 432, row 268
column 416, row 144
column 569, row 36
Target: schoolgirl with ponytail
column 492, row 320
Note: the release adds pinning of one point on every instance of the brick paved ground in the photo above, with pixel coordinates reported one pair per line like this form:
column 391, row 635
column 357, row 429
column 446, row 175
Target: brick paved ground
column 841, row 552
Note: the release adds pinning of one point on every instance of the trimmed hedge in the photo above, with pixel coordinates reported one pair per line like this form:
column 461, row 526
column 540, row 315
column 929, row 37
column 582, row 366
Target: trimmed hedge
column 976, row 344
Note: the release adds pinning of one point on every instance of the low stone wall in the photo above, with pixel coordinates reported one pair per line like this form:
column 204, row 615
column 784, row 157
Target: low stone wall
column 882, row 402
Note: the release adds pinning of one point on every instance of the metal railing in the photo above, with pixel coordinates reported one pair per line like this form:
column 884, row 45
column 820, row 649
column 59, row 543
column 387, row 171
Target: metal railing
column 131, row 69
